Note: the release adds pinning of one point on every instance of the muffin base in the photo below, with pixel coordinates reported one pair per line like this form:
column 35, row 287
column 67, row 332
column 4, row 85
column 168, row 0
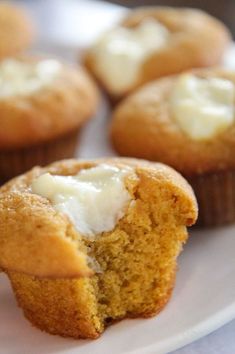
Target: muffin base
column 15, row 162
column 215, row 194
column 68, row 307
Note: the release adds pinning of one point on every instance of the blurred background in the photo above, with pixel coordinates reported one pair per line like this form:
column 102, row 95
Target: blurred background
column 223, row 9
column 84, row 20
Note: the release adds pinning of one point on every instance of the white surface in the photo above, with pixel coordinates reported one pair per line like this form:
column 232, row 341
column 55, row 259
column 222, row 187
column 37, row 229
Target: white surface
column 72, row 22
column 204, row 297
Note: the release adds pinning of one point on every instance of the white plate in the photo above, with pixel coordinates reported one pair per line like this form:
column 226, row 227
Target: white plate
column 204, row 297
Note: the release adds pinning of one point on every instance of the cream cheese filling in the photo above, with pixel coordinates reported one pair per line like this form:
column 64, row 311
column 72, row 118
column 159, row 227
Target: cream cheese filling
column 202, row 107
column 94, row 199
column 120, row 52
column 24, row 78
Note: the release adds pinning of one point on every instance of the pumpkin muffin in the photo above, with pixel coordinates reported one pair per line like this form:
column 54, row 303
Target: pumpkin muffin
column 153, row 42
column 86, row 243
column 43, row 104
column 188, row 122
column 16, row 30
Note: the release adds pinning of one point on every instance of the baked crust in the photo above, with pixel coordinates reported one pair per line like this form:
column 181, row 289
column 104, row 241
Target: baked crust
column 37, row 240
column 16, row 30
column 198, row 40
column 48, row 113
column 143, row 126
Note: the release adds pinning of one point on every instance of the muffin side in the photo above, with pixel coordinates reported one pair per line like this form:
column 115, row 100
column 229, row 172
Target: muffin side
column 216, row 198
column 17, row 161
column 64, row 307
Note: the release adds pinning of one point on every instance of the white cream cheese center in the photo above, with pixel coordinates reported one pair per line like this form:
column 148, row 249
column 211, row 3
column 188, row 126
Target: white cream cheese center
column 24, row 78
column 120, row 52
column 203, row 108
column 94, row 199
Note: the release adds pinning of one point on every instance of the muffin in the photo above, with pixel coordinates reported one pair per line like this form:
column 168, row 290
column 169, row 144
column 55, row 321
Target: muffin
column 153, row 42
column 16, row 30
column 186, row 121
column 86, row 243
column 43, row 104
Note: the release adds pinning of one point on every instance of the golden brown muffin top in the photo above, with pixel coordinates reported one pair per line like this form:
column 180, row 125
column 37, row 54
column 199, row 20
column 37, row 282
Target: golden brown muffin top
column 16, row 30
column 50, row 111
column 143, row 126
column 38, row 240
column 197, row 40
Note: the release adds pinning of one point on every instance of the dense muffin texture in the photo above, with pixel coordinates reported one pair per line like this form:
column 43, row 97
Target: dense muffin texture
column 133, row 265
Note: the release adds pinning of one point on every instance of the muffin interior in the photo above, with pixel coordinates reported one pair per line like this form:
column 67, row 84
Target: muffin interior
column 137, row 261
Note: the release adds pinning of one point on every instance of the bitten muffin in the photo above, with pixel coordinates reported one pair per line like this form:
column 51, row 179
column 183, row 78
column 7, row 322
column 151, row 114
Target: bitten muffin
column 188, row 122
column 43, row 104
column 153, row 42
column 16, row 30
column 88, row 243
